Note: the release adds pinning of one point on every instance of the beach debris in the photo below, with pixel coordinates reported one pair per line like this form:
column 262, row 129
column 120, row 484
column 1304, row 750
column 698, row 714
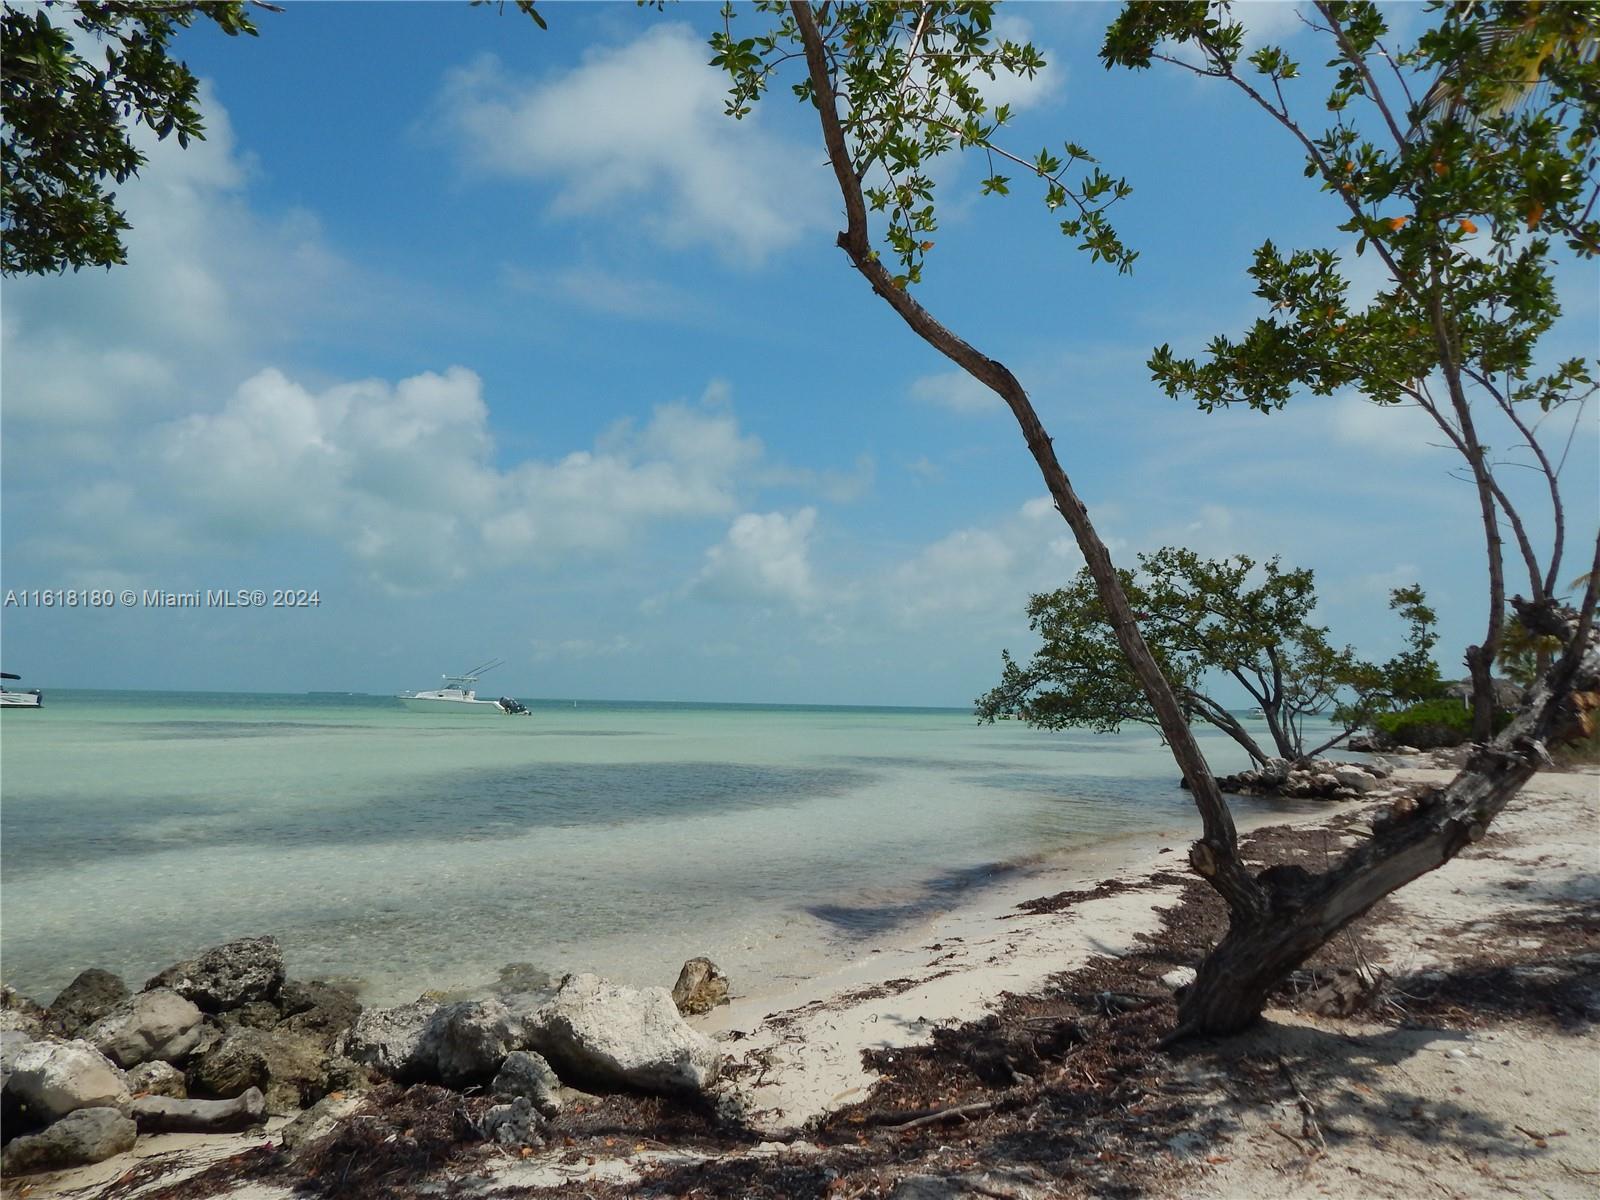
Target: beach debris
column 157, row 1078
column 90, row 996
column 701, row 987
column 158, row 1024
column 1003, row 1184
column 1179, row 977
column 55, row 1078
column 604, row 1033
column 525, row 1073
column 318, row 1121
column 227, row 976
column 86, row 1135
column 166, row 1114
column 390, row 1039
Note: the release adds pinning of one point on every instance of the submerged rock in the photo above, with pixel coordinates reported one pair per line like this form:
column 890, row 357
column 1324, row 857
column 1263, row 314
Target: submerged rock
column 86, row 1135
column 701, row 987
column 603, row 1033
column 227, row 976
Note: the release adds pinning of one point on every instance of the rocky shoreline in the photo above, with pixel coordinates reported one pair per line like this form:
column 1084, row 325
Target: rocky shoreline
column 225, row 1041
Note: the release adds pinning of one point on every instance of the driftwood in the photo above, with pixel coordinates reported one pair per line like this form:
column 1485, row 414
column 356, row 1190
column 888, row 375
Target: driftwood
column 163, row 1114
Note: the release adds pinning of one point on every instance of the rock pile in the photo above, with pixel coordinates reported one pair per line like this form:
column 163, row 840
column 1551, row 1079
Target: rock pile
column 219, row 1042
column 1309, row 779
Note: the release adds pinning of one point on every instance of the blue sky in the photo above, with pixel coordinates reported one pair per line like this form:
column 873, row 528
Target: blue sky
column 509, row 343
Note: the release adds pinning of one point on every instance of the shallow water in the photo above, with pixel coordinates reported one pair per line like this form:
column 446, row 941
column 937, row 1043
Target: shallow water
column 413, row 850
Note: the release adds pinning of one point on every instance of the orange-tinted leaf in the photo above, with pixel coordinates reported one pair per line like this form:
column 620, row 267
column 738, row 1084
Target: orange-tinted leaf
column 1467, row 226
column 1534, row 214
column 1396, row 224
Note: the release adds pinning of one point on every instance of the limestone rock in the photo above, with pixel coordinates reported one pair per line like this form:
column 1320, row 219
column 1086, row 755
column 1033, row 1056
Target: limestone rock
column 56, row 1078
column 287, row 1067
column 157, row 1078
column 514, row 1124
column 157, row 1024
column 701, row 987
column 466, row 1043
column 1355, row 780
column 318, row 1121
column 390, row 1040
column 90, row 996
column 86, row 1135
column 603, row 1033
column 227, row 976
column 527, row 1074
column 317, row 1010
column 19, row 1014
column 164, row 1114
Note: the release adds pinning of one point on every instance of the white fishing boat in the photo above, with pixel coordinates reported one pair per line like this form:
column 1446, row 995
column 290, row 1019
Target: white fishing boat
column 32, row 698
column 459, row 695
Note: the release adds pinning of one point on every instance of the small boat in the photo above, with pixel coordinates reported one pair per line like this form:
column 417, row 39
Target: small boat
column 1258, row 711
column 458, row 695
column 32, row 698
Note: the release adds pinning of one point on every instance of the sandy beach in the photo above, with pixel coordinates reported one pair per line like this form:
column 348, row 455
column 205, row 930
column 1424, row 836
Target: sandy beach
column 1474, row 1082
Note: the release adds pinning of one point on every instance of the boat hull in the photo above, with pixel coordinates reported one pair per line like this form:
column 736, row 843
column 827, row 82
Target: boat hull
column 428, row 704
column 21, row 700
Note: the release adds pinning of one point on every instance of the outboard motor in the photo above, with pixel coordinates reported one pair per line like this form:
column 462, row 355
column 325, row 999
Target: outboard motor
column 510, row 707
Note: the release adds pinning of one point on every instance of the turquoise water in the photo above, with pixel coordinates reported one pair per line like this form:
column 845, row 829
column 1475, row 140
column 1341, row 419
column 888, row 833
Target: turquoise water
column 416, row 850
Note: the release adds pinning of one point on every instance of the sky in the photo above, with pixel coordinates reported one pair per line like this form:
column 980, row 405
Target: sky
column 509, row 343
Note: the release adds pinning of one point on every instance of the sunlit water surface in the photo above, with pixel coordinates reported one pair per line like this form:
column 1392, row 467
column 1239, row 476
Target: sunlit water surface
column 412, row 850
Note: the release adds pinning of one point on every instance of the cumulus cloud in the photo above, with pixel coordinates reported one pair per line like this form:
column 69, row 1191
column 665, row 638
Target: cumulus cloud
column 638, row 131
column 765, row 558
column 208, row 281
column 984, row 570
column 401, row 475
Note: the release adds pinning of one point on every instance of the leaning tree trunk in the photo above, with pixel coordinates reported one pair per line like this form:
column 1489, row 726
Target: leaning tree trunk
column 1218, row 845
column 1304, row 911
column 1281, row 916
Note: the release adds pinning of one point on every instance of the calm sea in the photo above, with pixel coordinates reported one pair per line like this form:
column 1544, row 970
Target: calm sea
column 413, row 851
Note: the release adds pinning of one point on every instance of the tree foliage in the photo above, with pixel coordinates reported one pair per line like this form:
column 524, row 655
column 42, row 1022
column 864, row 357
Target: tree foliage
column 68, row 93
column 912, row 77
column 1204, row 619
column 1465, row 163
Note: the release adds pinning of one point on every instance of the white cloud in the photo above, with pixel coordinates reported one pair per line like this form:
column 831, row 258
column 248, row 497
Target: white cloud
column 401, row 476
column 957, row 392
column 765, row 558
column 987, row 571
column 638, row 132
column 1267, row 21
column 207, row 282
